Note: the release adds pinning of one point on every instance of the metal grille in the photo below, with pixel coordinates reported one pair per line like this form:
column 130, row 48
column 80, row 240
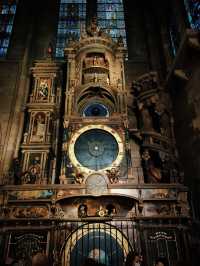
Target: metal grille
column 106, row 242
column 161, row 243
column 22, row 246
column 69, row 243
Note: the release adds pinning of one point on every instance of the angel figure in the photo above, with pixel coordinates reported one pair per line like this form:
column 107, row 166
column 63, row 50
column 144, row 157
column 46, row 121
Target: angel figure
column 113, row 174
column 79, row 177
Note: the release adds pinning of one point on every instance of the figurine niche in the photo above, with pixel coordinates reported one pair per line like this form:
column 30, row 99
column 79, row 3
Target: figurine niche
column 152, row 172
column 82, row 211
column 38, row 127
column 33, row 174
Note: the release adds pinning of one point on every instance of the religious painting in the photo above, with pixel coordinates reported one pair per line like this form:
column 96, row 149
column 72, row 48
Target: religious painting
column 43, row 90
column 29, row 212
column 158, row 209
column 159, row 193
column 30, row 194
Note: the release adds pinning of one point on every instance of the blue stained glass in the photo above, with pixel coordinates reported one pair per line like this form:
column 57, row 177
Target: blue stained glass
column 120, row 24
column 71, row 15
column 110, row 1
column 111, row 17
column 13, row 9
column 73, row 1
column 193, row 11
column 5, row 42
column 7, row 14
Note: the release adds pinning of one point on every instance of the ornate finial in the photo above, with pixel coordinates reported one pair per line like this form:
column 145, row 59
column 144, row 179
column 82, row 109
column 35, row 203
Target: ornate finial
column 49, row 50
column 120, row 41
column 93, row 29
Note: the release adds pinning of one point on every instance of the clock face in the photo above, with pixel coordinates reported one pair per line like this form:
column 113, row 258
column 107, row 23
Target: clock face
column 96, row 184
column 95, row 148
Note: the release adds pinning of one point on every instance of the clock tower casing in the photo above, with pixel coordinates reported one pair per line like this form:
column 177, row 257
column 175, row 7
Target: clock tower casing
column 100, row 178
column 96, row 138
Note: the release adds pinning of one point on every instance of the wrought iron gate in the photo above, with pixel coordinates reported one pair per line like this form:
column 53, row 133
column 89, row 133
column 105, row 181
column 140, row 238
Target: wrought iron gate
column 108, row 243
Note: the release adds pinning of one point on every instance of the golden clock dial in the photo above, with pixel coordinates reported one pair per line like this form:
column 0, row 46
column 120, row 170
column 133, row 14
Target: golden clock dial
column 95, row 148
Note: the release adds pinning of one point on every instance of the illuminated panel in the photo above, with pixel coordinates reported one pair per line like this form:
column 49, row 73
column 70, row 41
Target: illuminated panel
column 7, row 14
column 111, row 17
column 72, row 15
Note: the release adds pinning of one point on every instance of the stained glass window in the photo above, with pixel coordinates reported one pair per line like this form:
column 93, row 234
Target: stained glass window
column 7, row 14
column 110, row 15
column 193, row 11
column 72, row 15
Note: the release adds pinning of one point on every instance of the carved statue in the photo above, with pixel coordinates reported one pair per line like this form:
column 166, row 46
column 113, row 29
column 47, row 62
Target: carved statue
column 113, row 174
column 79, row 177
column 165, row 124
column 160, row 116
column 120, row 41
column 111, row 210
column 146, row 118
column 50, row 50
column 82, row 211
column 95, row 79
column 93, row 29
column 152, row 172
column 63, row 178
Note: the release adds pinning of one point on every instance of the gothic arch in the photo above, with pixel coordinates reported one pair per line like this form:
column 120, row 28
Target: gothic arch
column 96, row 92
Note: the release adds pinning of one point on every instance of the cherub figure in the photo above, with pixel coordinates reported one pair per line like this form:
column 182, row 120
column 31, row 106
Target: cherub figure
column 113, row 174
column 79, row 177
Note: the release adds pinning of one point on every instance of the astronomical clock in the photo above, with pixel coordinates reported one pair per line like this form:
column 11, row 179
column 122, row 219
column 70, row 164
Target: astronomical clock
column 95, row 134
column 97, row 173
